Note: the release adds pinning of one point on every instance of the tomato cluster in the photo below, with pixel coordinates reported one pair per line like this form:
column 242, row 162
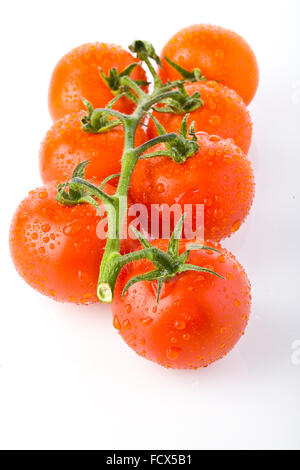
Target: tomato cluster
column 181, row 318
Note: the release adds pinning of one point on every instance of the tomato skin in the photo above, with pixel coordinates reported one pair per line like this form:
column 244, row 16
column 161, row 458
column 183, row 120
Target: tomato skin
column 76, row 76
column 199, row 318
column 55, row 248
column 219, row 53
column 66, row 145
column 219, row 176
column 223, row 113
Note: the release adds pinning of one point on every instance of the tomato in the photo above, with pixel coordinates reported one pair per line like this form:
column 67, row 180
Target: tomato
column 219, row 176
column 219, row 53
column 66, row 145
column 199, row 318
column 223, row 113
column 55, row 248
column 77, row 76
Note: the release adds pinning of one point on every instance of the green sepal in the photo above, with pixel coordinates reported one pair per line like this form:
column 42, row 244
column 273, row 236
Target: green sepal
column 143, row 241
column 108, row 178
column 159, row 127
column 154, row 275
column 193, row 247
column 79, row 170
column 187, row 132
column 173, row 246
column 159, row 287
column 193, row 267
column 194, row 76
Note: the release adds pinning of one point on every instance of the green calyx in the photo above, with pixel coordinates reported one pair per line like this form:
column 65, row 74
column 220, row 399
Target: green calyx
column 80, row 191
column 181, row 102
column 179, row 146
column 167, row 264
column 96, row 122
column 113, row 79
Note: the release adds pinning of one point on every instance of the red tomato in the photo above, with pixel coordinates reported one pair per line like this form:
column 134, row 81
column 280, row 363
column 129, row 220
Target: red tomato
column 223, row 113
column 219, row 53
column 77, row 76
column 66, row 145
column 199, row 318
column 219, row 176
column 55, row 248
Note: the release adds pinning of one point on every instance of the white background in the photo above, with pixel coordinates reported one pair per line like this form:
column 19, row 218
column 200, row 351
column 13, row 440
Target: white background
column 66, row 378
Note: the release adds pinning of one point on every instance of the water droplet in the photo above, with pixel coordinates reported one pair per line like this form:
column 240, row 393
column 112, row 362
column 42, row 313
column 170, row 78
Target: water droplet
column 43, row 194
column 186, row 336
column 228, row 159
column 46, row 228
column 72, row 228
column 146, row 321
column 173, row 352
column 219, row 54
column 126, row 324
column 160, row 188
column 214, row 138
column 214, row 120
column 236, row 226
column 179, row 325
column 34, row 236
column 116, row 323
column 207, row 202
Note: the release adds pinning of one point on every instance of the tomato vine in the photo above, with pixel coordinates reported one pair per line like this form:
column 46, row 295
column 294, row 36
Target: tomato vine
column 172, row 97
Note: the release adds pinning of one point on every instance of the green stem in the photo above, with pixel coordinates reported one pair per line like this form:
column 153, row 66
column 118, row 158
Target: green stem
column 156, row 140
column 116, row 206
column 156, row 98
column 157, row 81
column 106, row 283
column 127, row 81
